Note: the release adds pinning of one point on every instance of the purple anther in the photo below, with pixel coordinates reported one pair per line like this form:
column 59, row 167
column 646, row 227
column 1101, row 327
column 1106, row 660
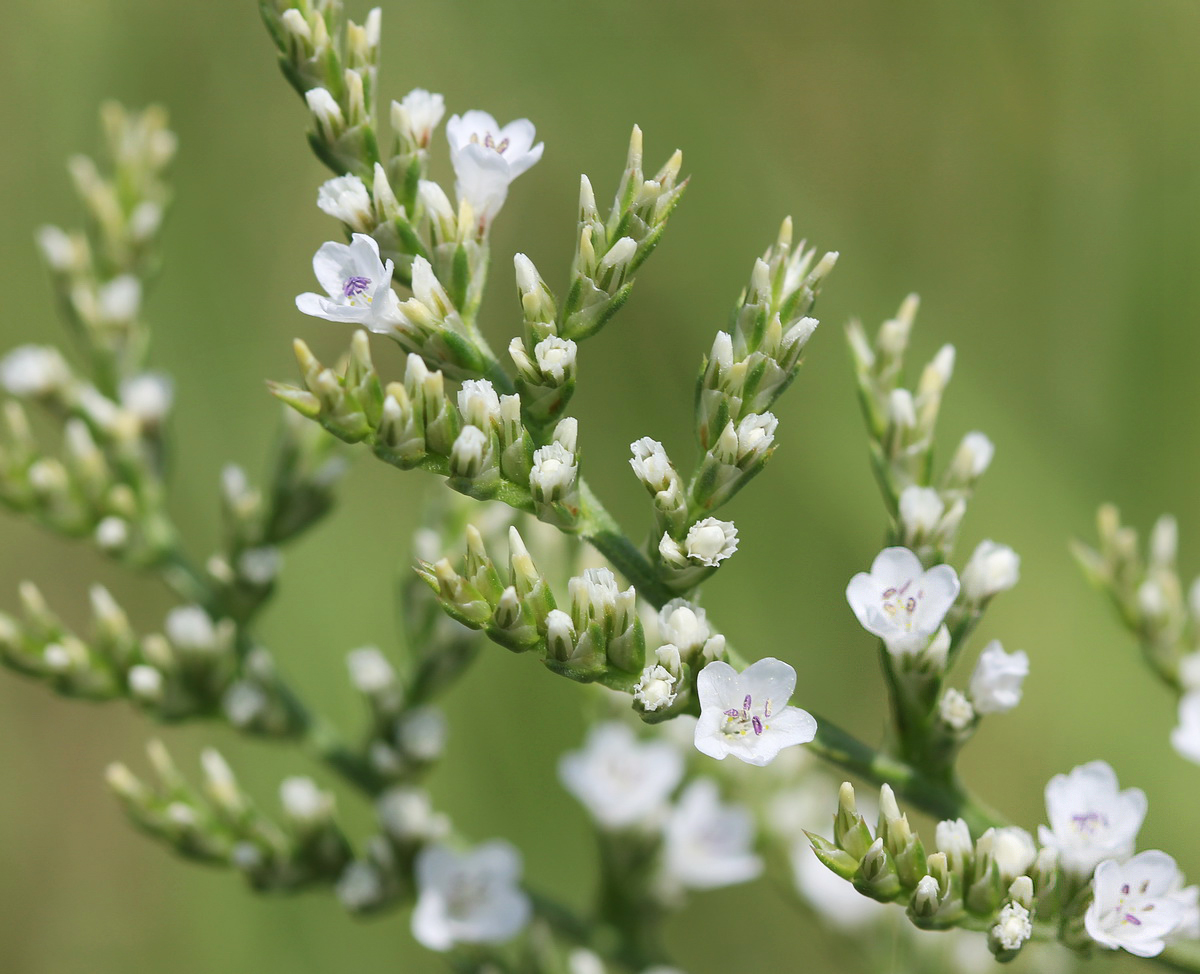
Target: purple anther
column 1125, row 890
column 733, row 713
column 746, row 703
column 355, row 286
column 767, row 708
column 888, row 593
column 757, row 725
column 911, row 604
column 1130, row 918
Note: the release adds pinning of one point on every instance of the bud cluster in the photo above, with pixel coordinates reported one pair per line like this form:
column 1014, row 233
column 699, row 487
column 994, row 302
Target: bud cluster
column 599, row 638
column 332, row 63
column 901, row 423
column 1000, row 880
column 220, row 824
column 1148, row 594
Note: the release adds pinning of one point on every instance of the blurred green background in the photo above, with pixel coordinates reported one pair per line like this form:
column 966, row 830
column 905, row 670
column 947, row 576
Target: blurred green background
column 1026, row 166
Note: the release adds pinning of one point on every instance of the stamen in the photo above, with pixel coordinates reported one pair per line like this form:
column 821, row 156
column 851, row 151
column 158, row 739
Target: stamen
column 355, row 286
column 1130, row 918
column 733, row 713
column 746, row 703
column 758, row 728
column 1125, row 890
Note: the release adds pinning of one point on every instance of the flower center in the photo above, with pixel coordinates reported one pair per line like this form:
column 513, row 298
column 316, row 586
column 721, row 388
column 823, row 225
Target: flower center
column 489, row 142
column 1129, row 913
column 740, row 722
column 1089, row 823
column 355, row 290
column 708, row 542
column 900, row 604
column 465, row 895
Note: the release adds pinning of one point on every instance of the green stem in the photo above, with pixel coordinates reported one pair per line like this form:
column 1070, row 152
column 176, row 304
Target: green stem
column 942, row 800
column 601, row 530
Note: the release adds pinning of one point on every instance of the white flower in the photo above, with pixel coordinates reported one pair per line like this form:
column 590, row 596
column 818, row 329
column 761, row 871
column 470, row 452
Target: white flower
column 655, row 689
column 112, row 533
column 553, row 473
column 652, row 465
column 486, row 158
column 260, row 566
column 303, row 801
column 469, row 452
column 1013, row 926
column 421, row 733
column 921, row 508
column 407, row 815
column 953, row 838
column 359, row 887
column 146, row 683
column 416, row 115
column 1012, row 848
column 899, row 601
column 57, row 247
column 148, row 396
column 118, row 300
column 683, row 625
column 707, row 844
column 33, row 370
column 1186, row 737
column 996, row 683
column 346, row 198
column 746, row 714
column 189, row 627
column 469, row 898
column 370, row 671
column 479, row 403
column 955, row 709
column 555, row 357
column 326, row 113
column 973, row 457
column 710, row 541
column 1132, row 906
column 755, row 434
column 1089, row 819
column 993, row 568
column 359, row 286
column 620, row 780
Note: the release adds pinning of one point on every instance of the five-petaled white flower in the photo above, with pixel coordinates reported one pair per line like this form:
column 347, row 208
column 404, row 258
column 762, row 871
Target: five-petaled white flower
column 746, row 714
column 996, row 683
column 358, row 283
column 1134, row 904
column 708, row 844
column 1186, row 737
column 470, row 898
column 620, row 780
column 487, row 157
column 899, row 601
column 1091, row 821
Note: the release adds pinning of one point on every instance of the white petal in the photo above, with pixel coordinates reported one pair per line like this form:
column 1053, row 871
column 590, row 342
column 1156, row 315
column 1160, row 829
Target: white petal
column 792, row 726
column 769, row 678
column 332, row 264
column 893, row 567
column 718, row 687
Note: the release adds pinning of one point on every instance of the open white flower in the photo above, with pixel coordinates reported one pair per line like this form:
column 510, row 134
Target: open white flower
column 487, row 157
column 1133, row 905
column 1013, row 926
column 470, row 898
column 708, row 844
column 899, row 601
column 746, row 714
column 996, row 683
column 1186, row 737
column 620, row 780
column 1091, row 821
column 33, row 370
column 358, row 284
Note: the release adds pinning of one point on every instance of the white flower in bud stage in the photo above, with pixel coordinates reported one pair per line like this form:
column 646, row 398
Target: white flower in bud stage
column 621, row 780
column 359, row 286
column 996, row 683
column 145, row 683
column 755, row 434
column 710, row 541
column 57, row 247
column 1186, row 737
column 555, row 357
column 421, row 733
column 190, row 627
column 652, row 465
column 953, row 838
column 416, row 115
column 955, row 709
column 112, row 533
column 326, row 113
column 303, row 802
column 553, row 473
column 260, row 566
column 1013, row 926
column 656, row 687
column 407, row 815
column 708, row 844
column 972, row 458
column 479, row 404
column 33, row 370
column 746, row 714
column 346, row 198
column 359, row 887
column 370, row 671
column 899, row 601
column 118, row 300
column 993, row 568
column 468, row 898
column 148, row 396
column 921, row 508
column 486, row 158
column 1133, row 905
column 1089, row 819
column 1012, row 848
column 684, row 625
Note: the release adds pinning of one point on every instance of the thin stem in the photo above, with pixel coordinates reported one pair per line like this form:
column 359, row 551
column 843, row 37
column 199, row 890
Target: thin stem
column 942, row 800
column 601, row 530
